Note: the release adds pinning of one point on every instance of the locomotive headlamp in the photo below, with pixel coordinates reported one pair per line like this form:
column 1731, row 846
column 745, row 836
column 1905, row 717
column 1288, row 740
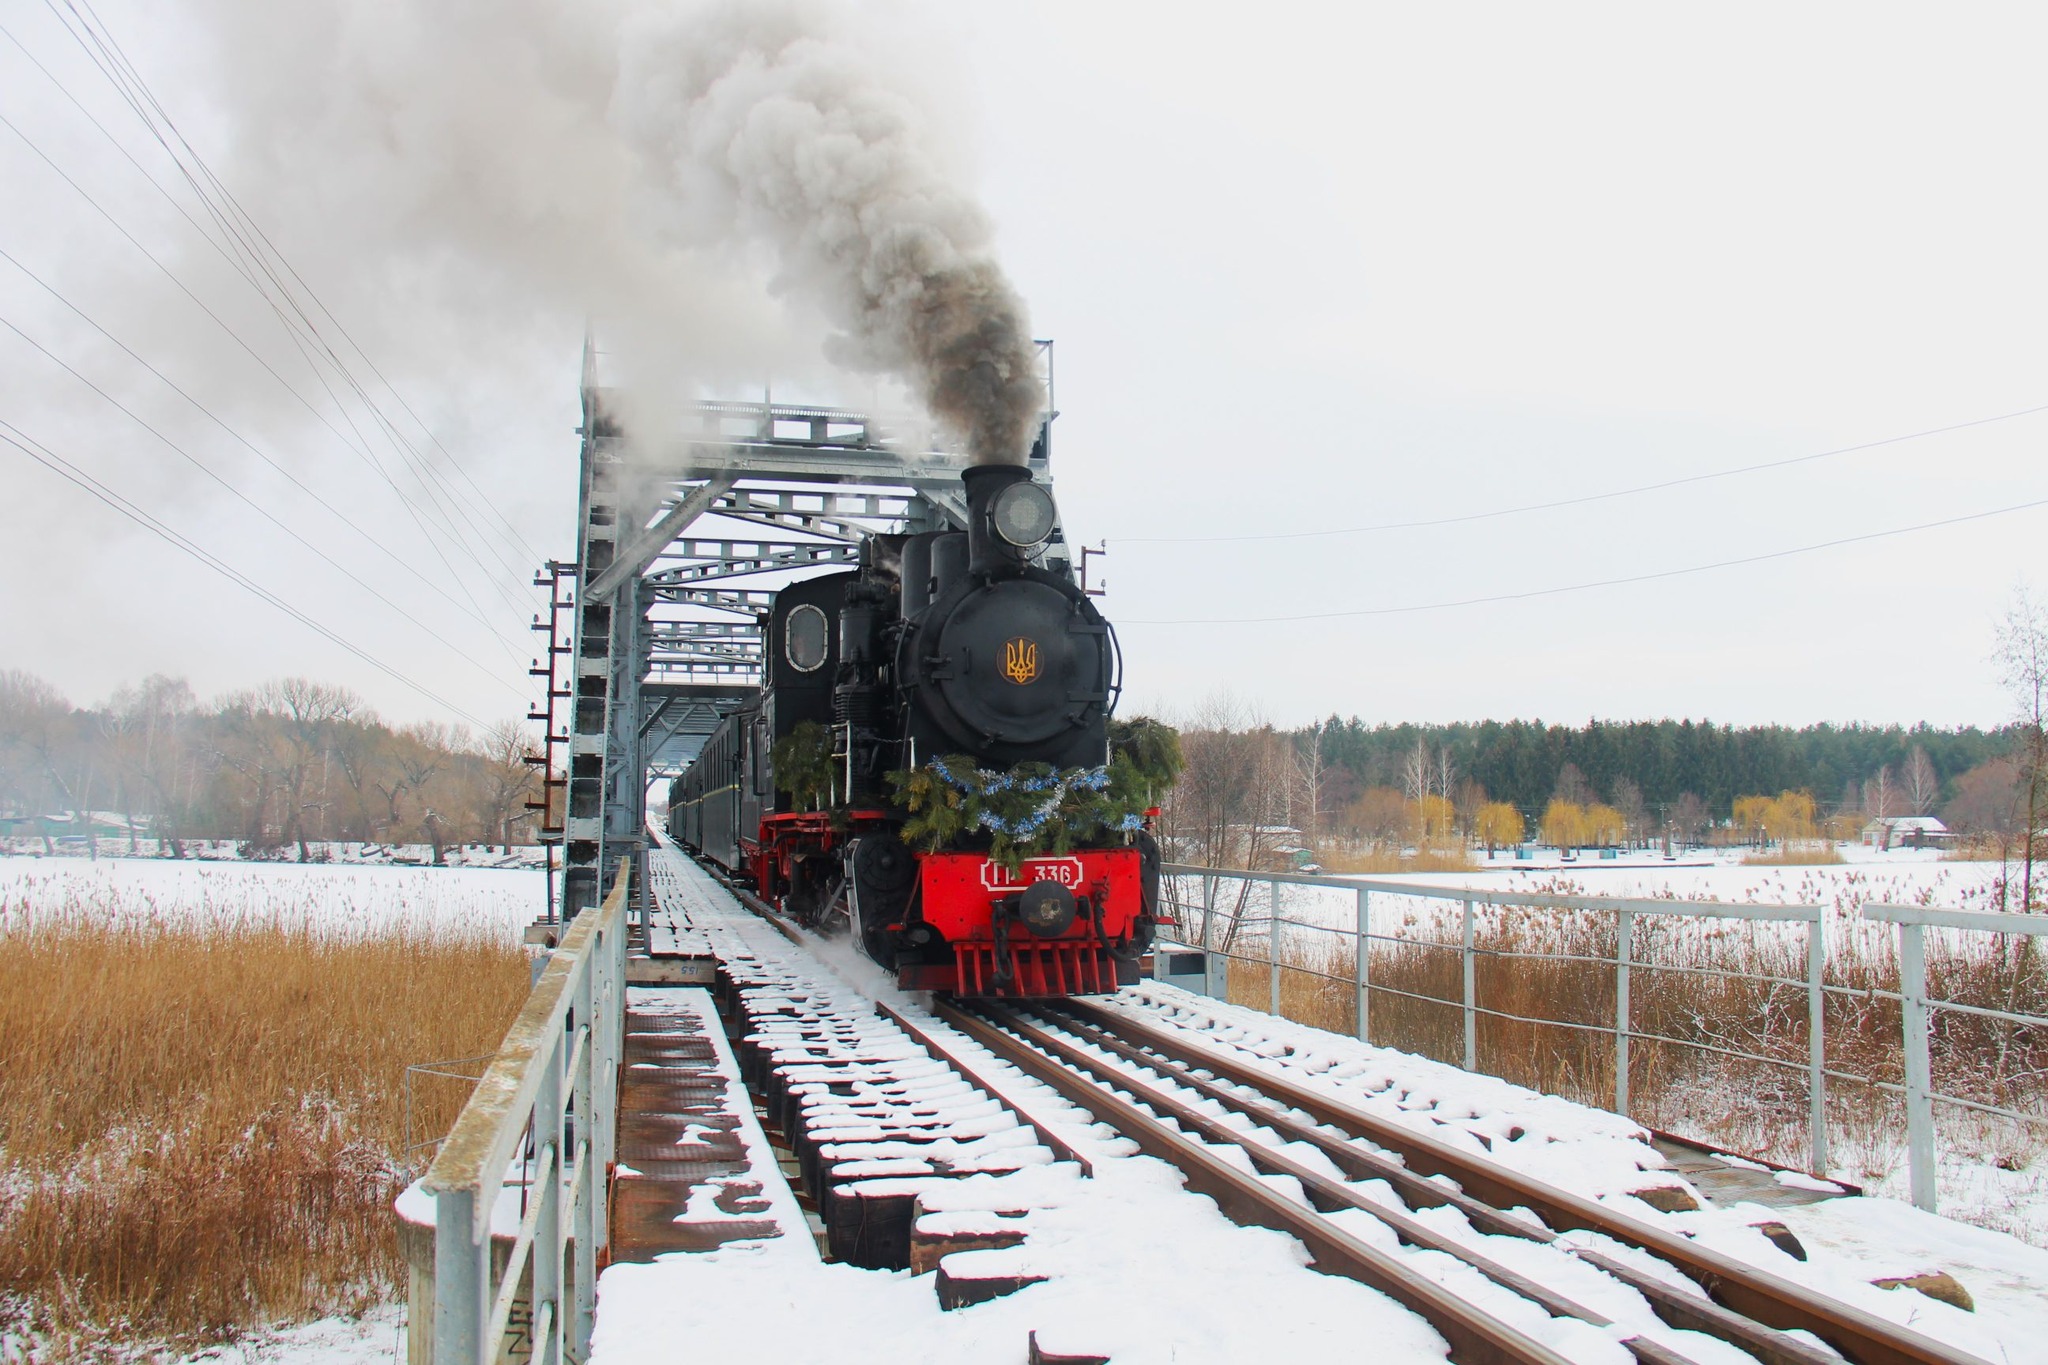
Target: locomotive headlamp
column 1047, row 909
column 1022, row 514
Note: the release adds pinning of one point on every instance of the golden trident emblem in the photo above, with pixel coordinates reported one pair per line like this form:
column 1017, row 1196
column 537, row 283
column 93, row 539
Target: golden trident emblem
column 1020, row 660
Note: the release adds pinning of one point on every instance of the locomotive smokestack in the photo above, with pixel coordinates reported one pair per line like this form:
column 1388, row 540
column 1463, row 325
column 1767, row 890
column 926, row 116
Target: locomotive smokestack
column 989, row 551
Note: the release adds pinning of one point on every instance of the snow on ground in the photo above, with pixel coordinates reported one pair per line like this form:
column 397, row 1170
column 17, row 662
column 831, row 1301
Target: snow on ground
column 334, row 897
column 376, row 1338
column 1601, row 1155
column 231, row 851
column 1141, row 1271
column 1146, row 1273
column 1902, row 876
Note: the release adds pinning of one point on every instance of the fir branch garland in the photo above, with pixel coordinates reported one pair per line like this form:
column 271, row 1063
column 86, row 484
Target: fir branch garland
column 1027, row 812
column 802, row 760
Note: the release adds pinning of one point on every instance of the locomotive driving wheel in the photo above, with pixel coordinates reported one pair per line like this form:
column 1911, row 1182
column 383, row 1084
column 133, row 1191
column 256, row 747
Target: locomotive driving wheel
column 881, row 874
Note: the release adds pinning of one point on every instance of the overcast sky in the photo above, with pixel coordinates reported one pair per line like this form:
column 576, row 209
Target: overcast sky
column 1311, row 270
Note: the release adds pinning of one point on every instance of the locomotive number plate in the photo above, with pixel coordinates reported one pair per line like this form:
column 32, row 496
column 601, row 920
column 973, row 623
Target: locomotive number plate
column 1066, row 871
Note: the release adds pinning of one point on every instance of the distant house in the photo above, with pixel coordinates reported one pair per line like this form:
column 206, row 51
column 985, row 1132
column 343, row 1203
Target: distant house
column 1907, row 831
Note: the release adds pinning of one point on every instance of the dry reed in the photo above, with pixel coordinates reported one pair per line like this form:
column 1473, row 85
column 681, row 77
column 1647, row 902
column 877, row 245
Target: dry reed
column 1430, row 858
column 1796, row 854
column 202, row 1129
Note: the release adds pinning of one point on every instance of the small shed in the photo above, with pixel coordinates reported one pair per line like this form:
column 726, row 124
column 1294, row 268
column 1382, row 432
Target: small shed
column 1907, row 831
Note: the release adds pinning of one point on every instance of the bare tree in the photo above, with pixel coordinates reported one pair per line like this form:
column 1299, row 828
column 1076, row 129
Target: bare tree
column 1232, row 793
column 307, row 712
column 508, row 778
column 1689, row 819
column 35, row 747
column 1418, row 773
column 420, row 759
column 1881, row 795
column 157, row 756
column 1985, row 802
column 1923, row 788
column 1572, row 786
column 2022, row 658
column 1466, row 805
column 1309, row 772
column 1635, row 812
column 361, row 748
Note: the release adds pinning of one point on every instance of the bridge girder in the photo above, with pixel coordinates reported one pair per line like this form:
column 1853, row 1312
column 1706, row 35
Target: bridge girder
column 675, row 578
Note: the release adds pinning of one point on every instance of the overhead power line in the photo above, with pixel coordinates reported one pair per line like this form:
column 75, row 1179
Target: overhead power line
column 250, row 502
column 1596, row 583
column 253, row 449
column 242, row 226
column 250, row 262
column 1582, row 499
column 356, row 447
column 57, row 464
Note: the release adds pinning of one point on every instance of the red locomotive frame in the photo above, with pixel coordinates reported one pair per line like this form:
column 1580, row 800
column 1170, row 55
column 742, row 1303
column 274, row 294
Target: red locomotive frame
column 965, row 898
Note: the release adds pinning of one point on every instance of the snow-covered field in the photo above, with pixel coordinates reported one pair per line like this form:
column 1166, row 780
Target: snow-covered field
column 334, row 897
column 1906, row 876
column 376, row 1338
column 230, row 851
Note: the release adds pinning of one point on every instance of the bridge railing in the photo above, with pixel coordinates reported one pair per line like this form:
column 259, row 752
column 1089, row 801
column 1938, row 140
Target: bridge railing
column 1919, row 1011
column 1220, row 917
column 544, row 1117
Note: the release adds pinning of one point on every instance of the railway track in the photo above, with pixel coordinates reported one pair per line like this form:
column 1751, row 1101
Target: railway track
column 1163, row 1093
column 1229, row 1125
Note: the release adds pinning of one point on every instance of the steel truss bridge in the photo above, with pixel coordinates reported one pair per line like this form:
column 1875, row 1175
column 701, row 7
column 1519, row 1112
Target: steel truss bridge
column 684, row 536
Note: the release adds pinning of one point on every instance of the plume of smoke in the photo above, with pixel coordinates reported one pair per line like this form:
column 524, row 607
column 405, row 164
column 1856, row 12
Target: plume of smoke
column 756, row 107
column 645, row 163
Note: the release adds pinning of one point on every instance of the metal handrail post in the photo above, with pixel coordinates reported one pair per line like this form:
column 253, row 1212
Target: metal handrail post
column 547, row 1228
column 610, row 1016
column 1209, row 937
column 1471, row 995
column 1273, row 953
column 1816, row 1047
column 588, row 1211
column 1624, row 924
column 1919, row 1102
column 462, row 1278
column 1364, row 958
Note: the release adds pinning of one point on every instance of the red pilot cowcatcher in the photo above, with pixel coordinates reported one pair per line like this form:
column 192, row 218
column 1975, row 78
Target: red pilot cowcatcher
column 1061, row 925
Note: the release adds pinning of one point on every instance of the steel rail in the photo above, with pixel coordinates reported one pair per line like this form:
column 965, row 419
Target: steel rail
column 1859, row 1336
column 1677, row 1308
column 1475, row 1336
column 1327, row 1194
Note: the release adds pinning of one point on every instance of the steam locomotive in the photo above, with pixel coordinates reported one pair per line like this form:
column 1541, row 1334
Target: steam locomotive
column 947, row 646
